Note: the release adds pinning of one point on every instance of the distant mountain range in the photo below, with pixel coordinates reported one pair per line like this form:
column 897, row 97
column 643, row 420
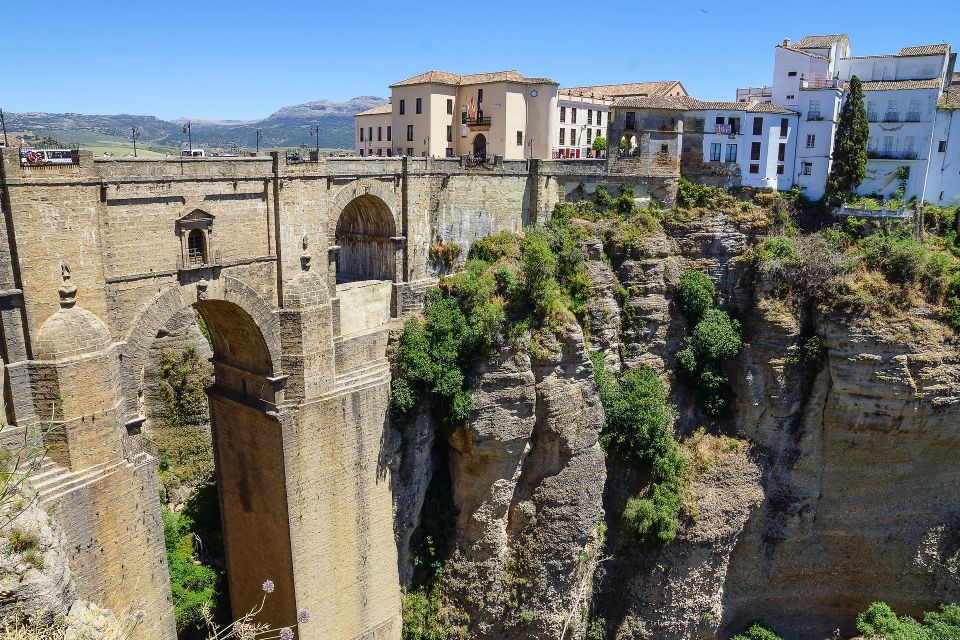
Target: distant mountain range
column 288, row 127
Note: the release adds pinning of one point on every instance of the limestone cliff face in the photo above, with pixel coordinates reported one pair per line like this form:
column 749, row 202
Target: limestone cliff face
column 839, row 489
column 861, row 496
column 528, row 477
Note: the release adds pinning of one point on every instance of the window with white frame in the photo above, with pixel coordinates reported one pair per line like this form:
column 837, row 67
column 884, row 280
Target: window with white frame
column 913, row 111
column 893, row 111
column 731, row 153
column 872, row 110
column 806, row 168
column 813, row 109
column 715, row 151
column 811, row 140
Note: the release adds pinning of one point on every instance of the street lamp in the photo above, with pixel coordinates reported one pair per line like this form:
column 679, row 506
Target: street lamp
column 135, row 131
column 187, row 130
column 315, row 131
column 259, row 133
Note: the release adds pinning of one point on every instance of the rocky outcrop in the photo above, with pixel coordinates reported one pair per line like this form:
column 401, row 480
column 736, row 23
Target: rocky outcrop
column 861, row 505
column 528, row 478
column 34, row 575
column 678, row 592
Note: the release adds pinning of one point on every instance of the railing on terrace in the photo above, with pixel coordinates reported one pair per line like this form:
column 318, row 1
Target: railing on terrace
column 912, row 117
column 882, row 212
column 891, row 116
column 744, row 93
column 821, row 83
column 726, row 129
column 891, row 155
column 814, row 116
column 477, row 122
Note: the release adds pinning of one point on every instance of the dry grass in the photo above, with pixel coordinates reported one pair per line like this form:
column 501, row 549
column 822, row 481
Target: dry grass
column 706, row 452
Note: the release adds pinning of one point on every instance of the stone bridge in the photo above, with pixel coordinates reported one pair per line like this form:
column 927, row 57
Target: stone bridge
column 296, row 270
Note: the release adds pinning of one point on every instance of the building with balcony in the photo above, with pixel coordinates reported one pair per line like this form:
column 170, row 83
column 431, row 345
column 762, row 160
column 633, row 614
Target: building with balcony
column 721, row 143
column 902, row 92
column 584, row 112
column 443, row 114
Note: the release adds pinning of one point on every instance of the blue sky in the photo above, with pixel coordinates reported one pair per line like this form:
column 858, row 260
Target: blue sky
column 244, row 60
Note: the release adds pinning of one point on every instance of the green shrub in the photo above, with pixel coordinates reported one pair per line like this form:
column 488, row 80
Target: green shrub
column 716, row 337
column 20, row 541
column 809, row 350
column 880, row 622
column 596, row 629
column 428, row 616
column 694, row 294
column 192, row 585
column 943, row 624
column 636, row 429
column 757, row 631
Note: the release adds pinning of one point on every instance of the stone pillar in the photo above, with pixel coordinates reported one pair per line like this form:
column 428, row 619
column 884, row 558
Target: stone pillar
column 111, row 519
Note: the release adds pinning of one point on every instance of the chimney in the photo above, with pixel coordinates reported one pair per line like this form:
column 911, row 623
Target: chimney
column 786, row 42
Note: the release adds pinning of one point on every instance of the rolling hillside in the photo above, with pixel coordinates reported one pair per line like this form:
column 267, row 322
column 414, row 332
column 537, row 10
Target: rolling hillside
column 287, row 127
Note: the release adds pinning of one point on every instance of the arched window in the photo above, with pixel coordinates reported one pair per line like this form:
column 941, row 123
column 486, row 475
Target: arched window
column 196, row 248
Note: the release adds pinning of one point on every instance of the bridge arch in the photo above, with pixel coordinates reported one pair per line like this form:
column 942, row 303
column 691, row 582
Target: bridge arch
column 366, row 233
column 247, row 429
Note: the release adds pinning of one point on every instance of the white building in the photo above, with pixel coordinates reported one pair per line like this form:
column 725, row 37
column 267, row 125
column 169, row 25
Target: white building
column 726, row 143
column 374, row 134
column 901, row 95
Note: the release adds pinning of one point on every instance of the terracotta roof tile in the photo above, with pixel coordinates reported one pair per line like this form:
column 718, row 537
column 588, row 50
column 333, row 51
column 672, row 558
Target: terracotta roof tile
column 689, row 103
column 820, row 42
column 376, row 111
column 456, row 79
column 925, row 50
column 949, row 100
column 899, row 85
column 801, row 51
column 656, row 88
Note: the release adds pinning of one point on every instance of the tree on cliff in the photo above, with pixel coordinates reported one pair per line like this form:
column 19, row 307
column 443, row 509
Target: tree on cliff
column 849, row 146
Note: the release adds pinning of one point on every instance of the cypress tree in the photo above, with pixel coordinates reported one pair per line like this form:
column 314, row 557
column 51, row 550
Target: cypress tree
column 849, row 147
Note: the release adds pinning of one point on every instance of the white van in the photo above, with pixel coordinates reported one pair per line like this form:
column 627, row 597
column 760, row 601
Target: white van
column 195, row 153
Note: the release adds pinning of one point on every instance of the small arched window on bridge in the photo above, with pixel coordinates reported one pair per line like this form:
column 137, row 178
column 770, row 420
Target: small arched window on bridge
column 196, row 240
column 196, row 248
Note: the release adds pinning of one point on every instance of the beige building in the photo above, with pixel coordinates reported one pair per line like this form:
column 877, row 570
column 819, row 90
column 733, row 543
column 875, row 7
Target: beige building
column 584, row 112
column 442, row 114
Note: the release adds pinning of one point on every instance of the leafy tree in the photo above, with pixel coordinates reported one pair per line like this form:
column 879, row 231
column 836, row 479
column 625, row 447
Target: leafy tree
column 599, row 144
column 192, row 585
column 624, row 143
column 694, row 295
column 849, row 147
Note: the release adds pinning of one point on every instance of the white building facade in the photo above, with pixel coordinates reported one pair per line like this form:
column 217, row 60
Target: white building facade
column 904, row 96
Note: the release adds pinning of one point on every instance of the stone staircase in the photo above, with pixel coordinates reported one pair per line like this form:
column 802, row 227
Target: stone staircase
column 52, row 481
column 358, row 378
column 417, row 292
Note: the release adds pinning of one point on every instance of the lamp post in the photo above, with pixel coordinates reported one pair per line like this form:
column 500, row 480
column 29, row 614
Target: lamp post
column 135, row 131
column 315, row 131
column 259, row 133
column 187, row 130
column 426, row 146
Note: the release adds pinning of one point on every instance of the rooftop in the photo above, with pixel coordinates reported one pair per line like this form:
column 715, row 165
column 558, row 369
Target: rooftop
column 925, row 50
column 820, row 42
column 456, row 79
column 899, row 85
column 949, row 100
column 689, row 103
column 376, row 111
column 655, row 88
column 790, row 47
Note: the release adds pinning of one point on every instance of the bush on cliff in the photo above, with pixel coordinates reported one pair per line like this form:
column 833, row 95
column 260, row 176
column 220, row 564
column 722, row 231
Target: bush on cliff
column 757, row 631
column 714, row 338
column 695, row 294
column 880, row 622
column 636, row 429
column 192, row 584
